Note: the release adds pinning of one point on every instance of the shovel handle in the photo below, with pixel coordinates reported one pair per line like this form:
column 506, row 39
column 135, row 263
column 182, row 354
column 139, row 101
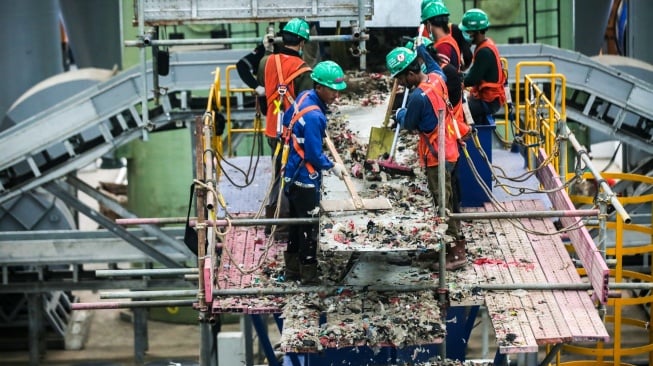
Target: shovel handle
column 391, row 102
column 358, row 202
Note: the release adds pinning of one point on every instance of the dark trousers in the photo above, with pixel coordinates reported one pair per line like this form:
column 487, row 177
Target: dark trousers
column 453, row 227
column 274, row 192
column 481, row 109
column 302, row 239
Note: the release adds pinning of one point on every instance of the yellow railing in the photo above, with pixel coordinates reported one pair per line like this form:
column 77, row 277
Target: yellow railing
column 214, row 104
column 258, row 126
column 540, row 129
column 618, row 318
column 541, row 117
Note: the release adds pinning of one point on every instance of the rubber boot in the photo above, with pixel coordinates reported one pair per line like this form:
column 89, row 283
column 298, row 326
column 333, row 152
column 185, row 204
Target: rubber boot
column 292, row 266
column 456, row 255
column 308, row 274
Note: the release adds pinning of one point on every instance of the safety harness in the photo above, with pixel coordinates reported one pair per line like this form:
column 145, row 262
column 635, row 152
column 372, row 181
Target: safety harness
column 282, row 90
column 288, row 135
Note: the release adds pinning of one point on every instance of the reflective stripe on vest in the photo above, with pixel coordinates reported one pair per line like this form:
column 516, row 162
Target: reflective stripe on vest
column 276, row 68
column 428, row 141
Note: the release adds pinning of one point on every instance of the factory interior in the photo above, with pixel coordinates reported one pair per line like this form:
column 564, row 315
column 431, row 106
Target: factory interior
column 135, row 176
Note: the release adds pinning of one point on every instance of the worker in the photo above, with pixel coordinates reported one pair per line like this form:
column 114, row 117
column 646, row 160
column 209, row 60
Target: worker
column 450, row 40
column 283, row 74
column 248, row 66
column 306, row 124
column 453, row 80
column 485, row 77
column 421, row 114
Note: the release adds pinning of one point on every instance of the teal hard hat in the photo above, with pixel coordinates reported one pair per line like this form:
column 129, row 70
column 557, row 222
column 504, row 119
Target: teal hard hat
column 329, row 74
column 298, row 27
column 398, row 60
column 433, row 10
column 425, row 3
column 474, row 20
column 411, row 44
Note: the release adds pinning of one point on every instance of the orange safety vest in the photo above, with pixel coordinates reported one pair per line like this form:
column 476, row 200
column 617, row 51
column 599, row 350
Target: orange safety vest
column 427, row 147
column 489, row 91
column 457, row 110
column 448, row 39
column 280, row 71
column 288, row 135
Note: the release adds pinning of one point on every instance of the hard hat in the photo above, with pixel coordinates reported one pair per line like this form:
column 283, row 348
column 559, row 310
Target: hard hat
column 298, row 27
column 427, row 2
column 399, row 59
column 474, row 20
column 329, row 74
column 434, row 9
column 411, row 44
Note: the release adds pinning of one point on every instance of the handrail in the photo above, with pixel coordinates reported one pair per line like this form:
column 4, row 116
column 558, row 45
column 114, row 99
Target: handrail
column 518, row 67
column 229, row 91
column 546, row 124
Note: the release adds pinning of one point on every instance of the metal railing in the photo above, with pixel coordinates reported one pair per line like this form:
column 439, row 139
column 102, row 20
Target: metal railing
column 258, row 126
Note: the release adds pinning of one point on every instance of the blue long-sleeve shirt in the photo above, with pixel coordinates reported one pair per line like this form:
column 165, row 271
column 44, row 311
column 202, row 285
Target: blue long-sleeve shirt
column 429, row 62
column 419, row 113
column 309, row 131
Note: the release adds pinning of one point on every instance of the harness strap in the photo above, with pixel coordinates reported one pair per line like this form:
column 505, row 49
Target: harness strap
column 299, row 113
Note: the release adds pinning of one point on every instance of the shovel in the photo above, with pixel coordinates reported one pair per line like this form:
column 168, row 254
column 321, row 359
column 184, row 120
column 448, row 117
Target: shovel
column 381, row 137
column 356, row 203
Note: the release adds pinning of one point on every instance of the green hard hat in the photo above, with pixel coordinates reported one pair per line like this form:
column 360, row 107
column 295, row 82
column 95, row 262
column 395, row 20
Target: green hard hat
column 427, row 2
column 474, row 20
column 398, row 59
column 434, row 9
column 329, row 74
column 411, row 44
column 298, row 27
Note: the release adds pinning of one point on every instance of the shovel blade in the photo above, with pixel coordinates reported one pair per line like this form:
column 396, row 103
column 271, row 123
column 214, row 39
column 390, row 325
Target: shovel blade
column 380, row 142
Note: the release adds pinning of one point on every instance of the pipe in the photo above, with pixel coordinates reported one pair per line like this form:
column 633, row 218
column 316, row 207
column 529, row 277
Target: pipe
column 221, row 222
column 144, row 272
column 222, row 41
column 604, row 185
column 147, row 294
column 525, row 215
column 330, row 290
column 361, row 29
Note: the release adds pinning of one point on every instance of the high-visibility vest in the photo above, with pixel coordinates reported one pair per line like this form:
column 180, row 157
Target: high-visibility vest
column 280, row 71
column 489, row 91
column 427, row 147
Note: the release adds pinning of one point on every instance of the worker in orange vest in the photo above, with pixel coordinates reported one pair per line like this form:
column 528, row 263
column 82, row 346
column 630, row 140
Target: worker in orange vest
column 284, row 75
column 421, row 114
column 485, row 77
column 450, row 40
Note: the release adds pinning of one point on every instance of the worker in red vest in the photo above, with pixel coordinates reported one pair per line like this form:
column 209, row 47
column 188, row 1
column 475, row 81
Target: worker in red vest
column 305, row 125
column 450, row 40
column 284, row 75
column 422, row 114
column 485, row 77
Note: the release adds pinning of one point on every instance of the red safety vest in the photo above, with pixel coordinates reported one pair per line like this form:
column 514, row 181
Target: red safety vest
column 489, row 91
column 427, row 147
column 280, row 71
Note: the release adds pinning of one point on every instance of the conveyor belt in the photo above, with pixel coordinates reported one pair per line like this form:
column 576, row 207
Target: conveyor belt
column 111, row 107
column 599, row 96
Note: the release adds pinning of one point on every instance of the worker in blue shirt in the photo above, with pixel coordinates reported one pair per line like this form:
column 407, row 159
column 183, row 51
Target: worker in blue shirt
column 305, row 125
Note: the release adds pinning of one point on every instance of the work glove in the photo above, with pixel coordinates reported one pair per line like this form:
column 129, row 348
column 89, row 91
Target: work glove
column 260, row 90
column 400, row 116
column 268, row 42
column 339, row 170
